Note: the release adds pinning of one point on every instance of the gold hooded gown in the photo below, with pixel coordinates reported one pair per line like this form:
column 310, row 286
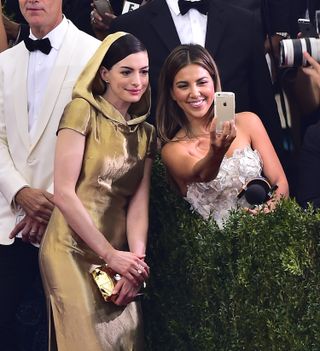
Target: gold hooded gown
column 112, row 168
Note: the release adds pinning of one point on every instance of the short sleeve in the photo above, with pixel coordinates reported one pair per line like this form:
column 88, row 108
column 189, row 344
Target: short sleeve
column 152, row 147
column 76, row 116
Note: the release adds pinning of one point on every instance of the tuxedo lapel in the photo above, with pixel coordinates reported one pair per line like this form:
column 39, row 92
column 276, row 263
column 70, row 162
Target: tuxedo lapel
column 56, row 81
column 215, row 26
column 20, row 95
column 163, row 24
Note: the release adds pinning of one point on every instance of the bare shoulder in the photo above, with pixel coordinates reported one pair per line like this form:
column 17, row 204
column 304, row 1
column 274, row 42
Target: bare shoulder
column 247, row 118
column 171, row 150
column 175, row 147
column 179, row 161
column 248, row 121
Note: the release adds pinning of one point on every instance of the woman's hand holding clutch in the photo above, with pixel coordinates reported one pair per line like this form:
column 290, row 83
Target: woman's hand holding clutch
column 125, row 292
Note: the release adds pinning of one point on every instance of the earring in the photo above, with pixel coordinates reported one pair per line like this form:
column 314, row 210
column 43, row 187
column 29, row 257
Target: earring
column 106, row 81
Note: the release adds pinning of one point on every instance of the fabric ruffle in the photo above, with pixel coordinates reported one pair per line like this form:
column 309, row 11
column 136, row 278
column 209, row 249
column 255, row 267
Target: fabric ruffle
column 216, row 198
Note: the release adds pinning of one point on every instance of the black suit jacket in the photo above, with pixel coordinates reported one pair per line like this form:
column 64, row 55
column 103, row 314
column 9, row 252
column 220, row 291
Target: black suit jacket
column 78, row 11
column 309, row 168
column 234, row 41
column 274, row 15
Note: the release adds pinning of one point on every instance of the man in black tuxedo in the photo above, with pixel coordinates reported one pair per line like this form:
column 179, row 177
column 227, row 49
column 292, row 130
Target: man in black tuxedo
column 234, row 40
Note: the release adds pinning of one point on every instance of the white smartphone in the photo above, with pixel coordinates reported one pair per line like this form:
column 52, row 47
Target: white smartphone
column 224, row 108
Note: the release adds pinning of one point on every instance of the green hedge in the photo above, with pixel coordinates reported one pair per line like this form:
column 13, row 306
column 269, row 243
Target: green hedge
column 255, row 285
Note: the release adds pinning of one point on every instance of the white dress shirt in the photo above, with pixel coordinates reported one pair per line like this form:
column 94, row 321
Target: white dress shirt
column 39, row 69
column 191, row 27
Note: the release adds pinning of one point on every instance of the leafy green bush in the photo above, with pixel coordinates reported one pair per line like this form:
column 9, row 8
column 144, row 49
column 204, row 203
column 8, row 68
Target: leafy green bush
column 253, row 285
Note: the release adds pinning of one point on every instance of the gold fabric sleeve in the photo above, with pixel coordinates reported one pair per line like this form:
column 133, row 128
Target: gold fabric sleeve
column 76, row 116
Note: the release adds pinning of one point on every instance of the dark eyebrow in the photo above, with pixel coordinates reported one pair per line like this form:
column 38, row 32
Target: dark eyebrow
column 181, row 81
column 202, row 78
column 126, row 67
column 184, row 81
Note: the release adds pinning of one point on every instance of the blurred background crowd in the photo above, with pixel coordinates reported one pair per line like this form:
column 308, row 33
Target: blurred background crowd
column 267, row 53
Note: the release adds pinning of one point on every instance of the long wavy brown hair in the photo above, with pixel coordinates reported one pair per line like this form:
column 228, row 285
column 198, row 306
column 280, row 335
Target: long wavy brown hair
column 169, row 116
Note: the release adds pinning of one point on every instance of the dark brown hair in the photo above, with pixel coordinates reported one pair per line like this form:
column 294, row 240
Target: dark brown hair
column 169, row 116
column 124, row 46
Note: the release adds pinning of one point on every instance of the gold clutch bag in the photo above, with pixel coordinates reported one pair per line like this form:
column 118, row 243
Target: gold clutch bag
column 105, row 279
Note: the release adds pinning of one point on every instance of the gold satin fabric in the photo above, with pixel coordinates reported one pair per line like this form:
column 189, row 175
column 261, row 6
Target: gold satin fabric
column 112, row 169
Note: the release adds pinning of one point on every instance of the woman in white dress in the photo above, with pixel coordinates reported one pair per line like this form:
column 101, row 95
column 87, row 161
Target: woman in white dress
column 210, row 168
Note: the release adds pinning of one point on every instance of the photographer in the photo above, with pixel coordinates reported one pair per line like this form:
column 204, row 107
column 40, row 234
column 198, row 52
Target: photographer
column 309, row 160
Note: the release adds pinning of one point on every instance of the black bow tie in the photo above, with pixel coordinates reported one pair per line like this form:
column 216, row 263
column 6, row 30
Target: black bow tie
column 185, row 6
column 43, row 45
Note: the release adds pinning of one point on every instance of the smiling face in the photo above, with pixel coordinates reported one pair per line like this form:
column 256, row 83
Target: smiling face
column 127, row 80
column 193, row 90
column 42, row 15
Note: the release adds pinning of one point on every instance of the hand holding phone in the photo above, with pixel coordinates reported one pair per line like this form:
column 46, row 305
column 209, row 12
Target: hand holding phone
column 224, row 108
column 103, row 7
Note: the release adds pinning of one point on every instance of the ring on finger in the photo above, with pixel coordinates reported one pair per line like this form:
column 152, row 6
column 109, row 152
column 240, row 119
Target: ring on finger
column 139, row 269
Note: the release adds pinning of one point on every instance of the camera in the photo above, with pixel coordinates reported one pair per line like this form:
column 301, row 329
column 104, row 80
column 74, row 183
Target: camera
column 257, row 191
column 291, row 51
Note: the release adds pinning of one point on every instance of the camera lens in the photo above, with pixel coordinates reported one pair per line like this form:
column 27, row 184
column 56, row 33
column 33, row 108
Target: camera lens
column 291, row 51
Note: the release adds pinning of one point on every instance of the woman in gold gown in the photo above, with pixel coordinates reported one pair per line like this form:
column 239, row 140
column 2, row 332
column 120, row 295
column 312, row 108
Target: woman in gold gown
column 102, row 173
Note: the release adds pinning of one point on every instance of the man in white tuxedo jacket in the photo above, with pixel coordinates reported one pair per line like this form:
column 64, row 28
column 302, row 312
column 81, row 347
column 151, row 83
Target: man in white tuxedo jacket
column 34, row 89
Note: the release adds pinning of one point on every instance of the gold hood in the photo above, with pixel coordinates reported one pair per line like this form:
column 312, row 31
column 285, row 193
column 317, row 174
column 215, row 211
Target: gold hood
column 83, row 87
